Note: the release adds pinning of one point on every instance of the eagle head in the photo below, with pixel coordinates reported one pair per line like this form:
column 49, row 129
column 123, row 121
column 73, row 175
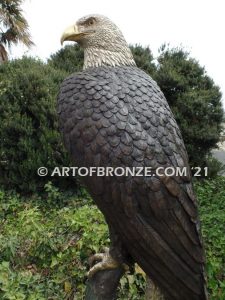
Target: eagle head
column 102, row 40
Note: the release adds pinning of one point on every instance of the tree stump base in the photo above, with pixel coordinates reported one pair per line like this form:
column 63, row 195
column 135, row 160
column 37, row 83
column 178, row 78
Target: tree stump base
column 103, row 285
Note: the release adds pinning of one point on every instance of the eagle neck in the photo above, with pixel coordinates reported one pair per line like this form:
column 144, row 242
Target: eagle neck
column 96, row 57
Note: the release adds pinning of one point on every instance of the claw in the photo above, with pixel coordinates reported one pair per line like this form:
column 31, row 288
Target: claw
column 104, row 262
column 96, row 257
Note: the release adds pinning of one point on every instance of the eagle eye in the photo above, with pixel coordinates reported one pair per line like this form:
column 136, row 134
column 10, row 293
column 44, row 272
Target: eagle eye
column 90, row 22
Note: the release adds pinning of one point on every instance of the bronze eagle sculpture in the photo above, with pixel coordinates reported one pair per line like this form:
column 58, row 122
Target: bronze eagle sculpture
column 112, row 114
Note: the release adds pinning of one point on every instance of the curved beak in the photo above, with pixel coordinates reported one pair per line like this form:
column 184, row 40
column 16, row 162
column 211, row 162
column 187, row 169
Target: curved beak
column 71, row 34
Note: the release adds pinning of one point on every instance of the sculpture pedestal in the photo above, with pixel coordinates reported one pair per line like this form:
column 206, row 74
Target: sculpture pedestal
column 103, row 285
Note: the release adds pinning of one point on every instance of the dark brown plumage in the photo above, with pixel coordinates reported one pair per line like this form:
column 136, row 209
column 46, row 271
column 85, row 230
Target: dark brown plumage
column 117, row 116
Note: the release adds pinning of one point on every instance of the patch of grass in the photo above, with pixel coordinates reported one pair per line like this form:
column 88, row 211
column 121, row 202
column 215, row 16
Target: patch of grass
column 45, row 242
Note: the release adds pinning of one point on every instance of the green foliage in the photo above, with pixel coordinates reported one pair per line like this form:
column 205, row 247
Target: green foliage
column 215, row 167
column 143, row 58
column 132, row 286
column 45, row 243
column 68, row 59
column 29, row 134
column 211, row 197
column 43, row 250
column 194, row 99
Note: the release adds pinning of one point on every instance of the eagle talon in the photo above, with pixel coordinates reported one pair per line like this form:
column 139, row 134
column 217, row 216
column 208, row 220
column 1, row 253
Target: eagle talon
column 96, row 258
column 104, row 262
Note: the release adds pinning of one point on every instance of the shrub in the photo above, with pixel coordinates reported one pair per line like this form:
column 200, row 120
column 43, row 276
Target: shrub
column 211, row 197
column 69, row 59
column 29, row 135
column 194, row 99
column 45, row 243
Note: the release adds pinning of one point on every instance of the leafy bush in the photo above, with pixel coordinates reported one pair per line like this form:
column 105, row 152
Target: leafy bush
column 68, row 59
column 45, row 243
column 211, row 196
column 194, row 99
column 215, row 167
column 144, row 58
column 43, row 250
column 29, row 135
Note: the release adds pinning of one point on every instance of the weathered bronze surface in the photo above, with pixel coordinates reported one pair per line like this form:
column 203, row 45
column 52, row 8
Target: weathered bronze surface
column 117, row 116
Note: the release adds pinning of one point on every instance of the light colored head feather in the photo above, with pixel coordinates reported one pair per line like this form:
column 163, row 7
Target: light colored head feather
column 103, row 43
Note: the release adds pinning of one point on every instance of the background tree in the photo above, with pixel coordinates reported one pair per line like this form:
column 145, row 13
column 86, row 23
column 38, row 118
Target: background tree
column 195, row 101
column 69, row 59
column 29, row 133
column 13, row 27
column 144, row 58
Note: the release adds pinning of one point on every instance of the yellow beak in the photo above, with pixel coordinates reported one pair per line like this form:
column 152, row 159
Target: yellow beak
column 71, row 34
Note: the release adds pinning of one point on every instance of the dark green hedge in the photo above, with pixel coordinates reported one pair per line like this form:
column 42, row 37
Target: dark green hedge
column 29, row 135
